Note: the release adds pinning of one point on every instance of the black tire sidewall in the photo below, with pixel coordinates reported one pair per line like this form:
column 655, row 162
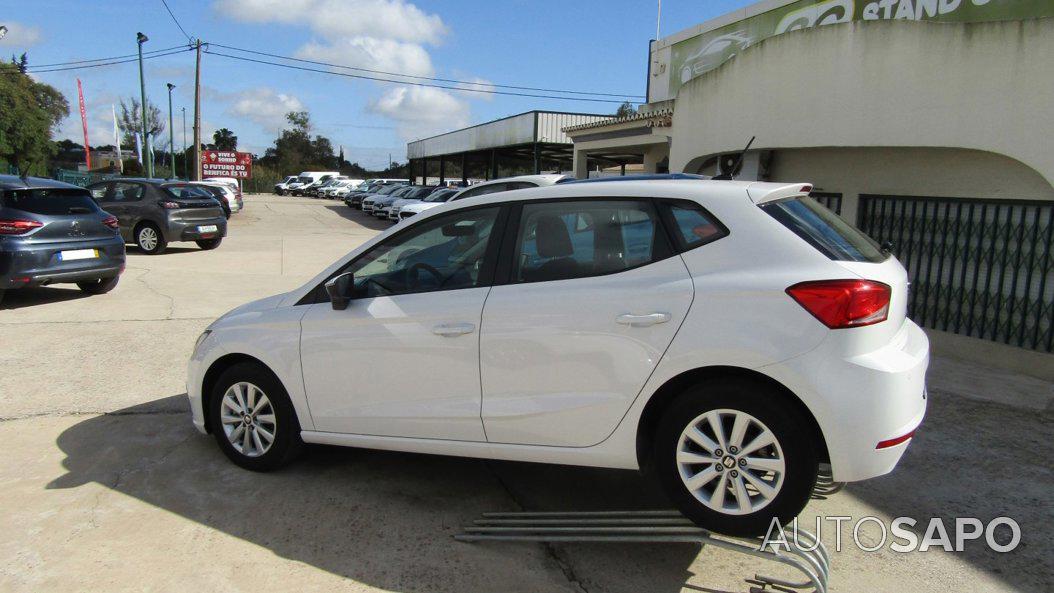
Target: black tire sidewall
column 287, row 441
column 772, row 408
column 208, row 244
column 100, row 286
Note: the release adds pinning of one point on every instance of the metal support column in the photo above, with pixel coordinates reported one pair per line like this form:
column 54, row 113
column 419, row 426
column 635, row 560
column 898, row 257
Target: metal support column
column 537, row 158
column 442, row 171
column 424, row 172
column 493, row 164
column 464, row 169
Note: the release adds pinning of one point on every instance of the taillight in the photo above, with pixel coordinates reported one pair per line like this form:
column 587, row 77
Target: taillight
column 18, row 226
column 169, row 205
column 839, row 304
column 110, row 221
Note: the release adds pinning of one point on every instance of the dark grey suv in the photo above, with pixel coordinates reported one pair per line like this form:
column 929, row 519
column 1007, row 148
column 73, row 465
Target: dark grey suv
column 52, row 233
column 153, row 212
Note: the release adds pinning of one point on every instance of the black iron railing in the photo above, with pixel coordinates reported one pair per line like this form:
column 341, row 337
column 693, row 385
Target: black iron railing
column 980, row 268
column 832, row 202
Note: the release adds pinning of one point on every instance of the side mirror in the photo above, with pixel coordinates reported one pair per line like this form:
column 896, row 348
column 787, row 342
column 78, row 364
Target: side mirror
column 340, row 289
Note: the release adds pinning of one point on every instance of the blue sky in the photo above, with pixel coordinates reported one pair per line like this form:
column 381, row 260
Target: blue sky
column 586, row 45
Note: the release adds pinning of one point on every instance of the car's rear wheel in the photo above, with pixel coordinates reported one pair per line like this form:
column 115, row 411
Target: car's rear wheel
column 735, row 454
column 208, row 244
column 100, row 286
column 252, row 418
column 150, row 239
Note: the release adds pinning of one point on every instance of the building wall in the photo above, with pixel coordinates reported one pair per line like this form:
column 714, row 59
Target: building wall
column 985, row 87
column 937, row 172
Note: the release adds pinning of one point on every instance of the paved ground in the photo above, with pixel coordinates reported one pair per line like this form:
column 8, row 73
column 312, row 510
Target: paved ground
column 104, row 485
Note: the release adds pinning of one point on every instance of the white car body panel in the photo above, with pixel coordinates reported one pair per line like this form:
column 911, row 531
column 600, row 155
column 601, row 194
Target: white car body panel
column 862, row 385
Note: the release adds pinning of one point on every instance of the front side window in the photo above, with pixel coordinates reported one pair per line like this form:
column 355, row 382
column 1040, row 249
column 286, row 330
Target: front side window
column 562, row 240
column 446, row 253
column 126, row 192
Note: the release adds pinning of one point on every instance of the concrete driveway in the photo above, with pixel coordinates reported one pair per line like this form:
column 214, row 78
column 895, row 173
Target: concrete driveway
column 105, row 486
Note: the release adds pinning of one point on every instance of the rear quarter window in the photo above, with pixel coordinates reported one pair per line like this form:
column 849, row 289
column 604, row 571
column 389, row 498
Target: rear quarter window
column 824, row 230
column 49, row 202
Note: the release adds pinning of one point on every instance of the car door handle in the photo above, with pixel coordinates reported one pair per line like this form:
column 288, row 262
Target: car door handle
column 453, row 329
column 643, row 320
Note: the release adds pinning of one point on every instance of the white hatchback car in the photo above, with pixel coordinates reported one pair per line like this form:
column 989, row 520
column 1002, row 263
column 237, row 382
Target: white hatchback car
column 728, row 336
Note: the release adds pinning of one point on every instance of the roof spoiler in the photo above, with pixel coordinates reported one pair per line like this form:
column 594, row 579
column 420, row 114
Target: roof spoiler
column 762, row 193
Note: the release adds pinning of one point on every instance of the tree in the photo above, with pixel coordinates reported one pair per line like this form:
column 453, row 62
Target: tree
column 21, row 63
column 132, row 121
column 625, row 110
column 295, row 150
column 29, row 113
column 224, row 139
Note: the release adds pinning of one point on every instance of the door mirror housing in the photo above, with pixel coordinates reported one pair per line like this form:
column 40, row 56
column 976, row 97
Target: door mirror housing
column 340, row 290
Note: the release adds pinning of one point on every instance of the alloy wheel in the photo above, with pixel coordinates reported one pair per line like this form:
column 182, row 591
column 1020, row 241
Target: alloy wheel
column 248, row 419
column 730, row 461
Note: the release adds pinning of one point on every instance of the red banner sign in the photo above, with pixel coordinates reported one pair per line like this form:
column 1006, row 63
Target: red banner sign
column 84, row 124
column 222, row 163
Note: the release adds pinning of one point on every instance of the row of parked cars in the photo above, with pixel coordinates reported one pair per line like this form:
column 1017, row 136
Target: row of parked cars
column 395, row 200
column 57, row 233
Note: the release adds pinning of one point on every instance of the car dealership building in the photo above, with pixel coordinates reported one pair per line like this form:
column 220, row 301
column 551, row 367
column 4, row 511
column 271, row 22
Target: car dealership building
column 928, row 124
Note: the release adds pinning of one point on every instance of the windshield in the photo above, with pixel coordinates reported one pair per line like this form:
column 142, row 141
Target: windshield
column 187, row 192
column 441, row 195
column 303, row 179
column 824, row 230
column 57, row 201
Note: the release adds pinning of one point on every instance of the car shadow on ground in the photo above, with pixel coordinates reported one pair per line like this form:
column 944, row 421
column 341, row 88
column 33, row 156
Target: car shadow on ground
column 381, row 518
column 360, row 217
column 40, row 295
column 977, row 459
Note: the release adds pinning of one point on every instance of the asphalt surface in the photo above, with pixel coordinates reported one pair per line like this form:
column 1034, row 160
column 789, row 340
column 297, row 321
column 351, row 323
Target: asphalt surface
column 104, row 484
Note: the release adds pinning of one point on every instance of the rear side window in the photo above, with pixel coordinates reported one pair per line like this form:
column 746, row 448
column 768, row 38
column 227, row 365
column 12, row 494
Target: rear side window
column 49, row 202
column 824, row 230
column 693, row 226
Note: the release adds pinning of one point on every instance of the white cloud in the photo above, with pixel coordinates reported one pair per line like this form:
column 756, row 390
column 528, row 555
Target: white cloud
column 264, row 106
column 394, row 19
column 382, row 35
column 19, row 36
column 421, row 111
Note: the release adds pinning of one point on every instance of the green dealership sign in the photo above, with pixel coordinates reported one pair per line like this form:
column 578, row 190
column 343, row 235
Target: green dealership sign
column 704, row 52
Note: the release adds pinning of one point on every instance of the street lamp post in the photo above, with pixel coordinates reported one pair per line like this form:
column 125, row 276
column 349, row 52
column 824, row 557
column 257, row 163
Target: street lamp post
column 171, row 131
column 186, row 166
column 141, row 39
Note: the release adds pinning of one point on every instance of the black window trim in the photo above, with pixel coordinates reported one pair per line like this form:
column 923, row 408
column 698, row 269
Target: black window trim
column 507, row 255
column 486, row 275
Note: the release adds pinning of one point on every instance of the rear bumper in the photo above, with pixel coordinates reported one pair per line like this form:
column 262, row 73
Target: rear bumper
column 188, row 230
column 862, row 400
column 40, row 265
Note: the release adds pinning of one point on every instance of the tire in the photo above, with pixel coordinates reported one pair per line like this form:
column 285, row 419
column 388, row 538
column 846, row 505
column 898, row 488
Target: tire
column 279, row 192
column 281, row 423
column 761, row 408
column 100, row 286
column 209, row 244
column 1, row 296
column 154, row 245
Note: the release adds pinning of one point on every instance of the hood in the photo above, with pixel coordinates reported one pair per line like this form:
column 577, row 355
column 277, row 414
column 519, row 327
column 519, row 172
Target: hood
column 250, row 308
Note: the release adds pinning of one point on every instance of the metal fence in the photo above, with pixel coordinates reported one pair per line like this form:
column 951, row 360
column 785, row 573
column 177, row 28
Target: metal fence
column 80, row 178
column 832, row 202
column 980, row 268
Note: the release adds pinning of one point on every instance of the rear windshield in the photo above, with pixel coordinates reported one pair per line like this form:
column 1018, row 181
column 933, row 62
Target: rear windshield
column 825, row 230
column 49, row 202
column 187, row 192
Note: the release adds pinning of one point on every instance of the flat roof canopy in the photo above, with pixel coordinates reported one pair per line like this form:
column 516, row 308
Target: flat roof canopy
column 544, row 127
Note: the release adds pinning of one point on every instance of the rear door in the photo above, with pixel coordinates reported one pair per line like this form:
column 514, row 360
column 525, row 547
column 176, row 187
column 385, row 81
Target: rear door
column 121, row 199
column 593, row 294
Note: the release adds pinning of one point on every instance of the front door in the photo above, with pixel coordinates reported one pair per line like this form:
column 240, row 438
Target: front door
column 403, row 358
column 594, row 296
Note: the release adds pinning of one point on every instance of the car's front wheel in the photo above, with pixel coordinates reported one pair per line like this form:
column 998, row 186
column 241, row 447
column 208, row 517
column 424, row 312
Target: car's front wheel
column 252, row 418
column 735, row 454
column 100, row 286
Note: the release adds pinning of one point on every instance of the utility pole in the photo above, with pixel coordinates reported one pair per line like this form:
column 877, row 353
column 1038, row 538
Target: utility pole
column 197, row 115
column 141, row 39
column 171, row 133
column 186, row 167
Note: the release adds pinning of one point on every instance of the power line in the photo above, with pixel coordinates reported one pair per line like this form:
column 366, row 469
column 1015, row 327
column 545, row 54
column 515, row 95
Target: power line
column 446, row 80
column 37, row 70
column 146, row 53
column 407, row 82
column 175, row 20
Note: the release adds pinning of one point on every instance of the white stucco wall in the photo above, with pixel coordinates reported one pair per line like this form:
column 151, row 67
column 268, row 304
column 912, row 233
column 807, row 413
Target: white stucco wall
column 987, row 87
